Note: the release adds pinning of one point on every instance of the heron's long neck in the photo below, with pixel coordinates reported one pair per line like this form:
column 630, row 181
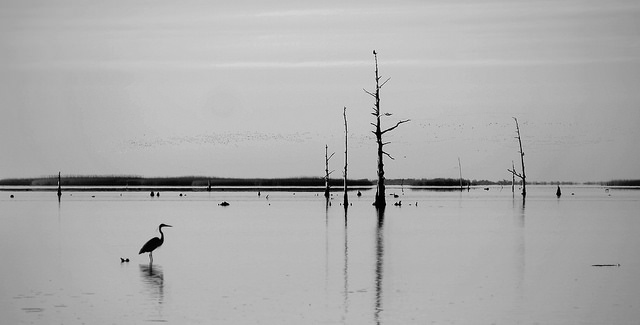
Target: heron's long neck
column 161, row 235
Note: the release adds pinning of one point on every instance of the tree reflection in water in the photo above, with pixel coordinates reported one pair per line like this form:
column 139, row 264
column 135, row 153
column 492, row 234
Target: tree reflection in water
column 346, row 265
column 379, row 264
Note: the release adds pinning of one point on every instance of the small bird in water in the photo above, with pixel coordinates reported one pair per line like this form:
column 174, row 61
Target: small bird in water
column 153, row 243
column 122, row 260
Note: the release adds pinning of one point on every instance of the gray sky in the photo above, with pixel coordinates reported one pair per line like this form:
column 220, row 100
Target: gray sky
column 256, row 89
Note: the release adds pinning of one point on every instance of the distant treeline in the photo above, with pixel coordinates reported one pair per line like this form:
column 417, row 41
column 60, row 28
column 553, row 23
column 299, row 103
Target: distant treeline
column 183, row 181
column 203, row 181
column 623, row 182
column 445, row 182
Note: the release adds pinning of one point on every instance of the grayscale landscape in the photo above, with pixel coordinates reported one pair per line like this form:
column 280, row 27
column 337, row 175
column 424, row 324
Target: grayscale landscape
column 326, row 162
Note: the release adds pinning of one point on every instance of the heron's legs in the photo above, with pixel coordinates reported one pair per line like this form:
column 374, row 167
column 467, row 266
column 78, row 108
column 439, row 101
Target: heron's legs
column 150, row 257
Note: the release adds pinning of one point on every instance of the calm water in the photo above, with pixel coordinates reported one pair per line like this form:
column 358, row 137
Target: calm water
column 477, row 257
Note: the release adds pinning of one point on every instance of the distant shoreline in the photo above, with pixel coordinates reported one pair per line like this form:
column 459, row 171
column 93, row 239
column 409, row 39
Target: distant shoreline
column 198, row 183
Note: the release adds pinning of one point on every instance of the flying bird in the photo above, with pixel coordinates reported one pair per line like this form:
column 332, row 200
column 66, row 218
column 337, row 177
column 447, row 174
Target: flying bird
column 153, row 243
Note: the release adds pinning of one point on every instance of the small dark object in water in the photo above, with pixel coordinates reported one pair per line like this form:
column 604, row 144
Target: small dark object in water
column 152, row 194
column 123, row 260
column 224, row 204
column 180, row 194
column 158, row 194
column 558, row 192
column 359, row 194
column 398, row 204
column 11, row 196
column 93, row 196
column 601, row 265
column 486, row 188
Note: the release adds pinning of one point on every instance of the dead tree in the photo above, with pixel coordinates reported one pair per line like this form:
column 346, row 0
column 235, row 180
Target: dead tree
column 59, row 187
column 346, row 198
column 522, row 176
column 380, row 200
column 513, row 177
column 326, row 170
column 460, row 169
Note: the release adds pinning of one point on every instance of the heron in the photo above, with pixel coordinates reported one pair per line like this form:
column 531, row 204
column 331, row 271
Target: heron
column 153, row 243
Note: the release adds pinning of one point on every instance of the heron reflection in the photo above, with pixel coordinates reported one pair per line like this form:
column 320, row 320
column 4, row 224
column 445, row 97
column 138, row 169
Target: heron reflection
column 153, row 280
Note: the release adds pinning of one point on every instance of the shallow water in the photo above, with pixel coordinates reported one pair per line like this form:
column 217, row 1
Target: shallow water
column 476, row 257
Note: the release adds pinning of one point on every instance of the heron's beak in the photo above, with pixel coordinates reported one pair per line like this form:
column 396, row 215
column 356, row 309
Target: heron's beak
column 168, row 225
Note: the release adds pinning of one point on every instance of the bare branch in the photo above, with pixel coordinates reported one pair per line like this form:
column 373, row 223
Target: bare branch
column 393, row 127
column 331, row 156
column 388, row 155
column 515, row 173
column 384, row 82
column 370, row 93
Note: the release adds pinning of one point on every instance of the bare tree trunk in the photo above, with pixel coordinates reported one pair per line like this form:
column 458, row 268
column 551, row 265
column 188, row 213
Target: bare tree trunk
column 380, row 200
column 326, row 170
column 513, row 177
column 522, row 176
column 460, row 169
column 59, row 187
column 346, row 198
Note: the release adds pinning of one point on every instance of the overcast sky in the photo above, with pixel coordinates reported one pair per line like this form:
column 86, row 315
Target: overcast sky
column 256, row 89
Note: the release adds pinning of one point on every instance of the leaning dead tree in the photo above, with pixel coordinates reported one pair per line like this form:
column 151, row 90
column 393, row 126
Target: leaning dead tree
column 380, row 200
column 346, row 198
column 326, row 170
column 513, row 171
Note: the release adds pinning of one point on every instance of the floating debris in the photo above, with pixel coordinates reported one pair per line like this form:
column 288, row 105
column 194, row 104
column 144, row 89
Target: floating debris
column 601, row 265
column 224, row 203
